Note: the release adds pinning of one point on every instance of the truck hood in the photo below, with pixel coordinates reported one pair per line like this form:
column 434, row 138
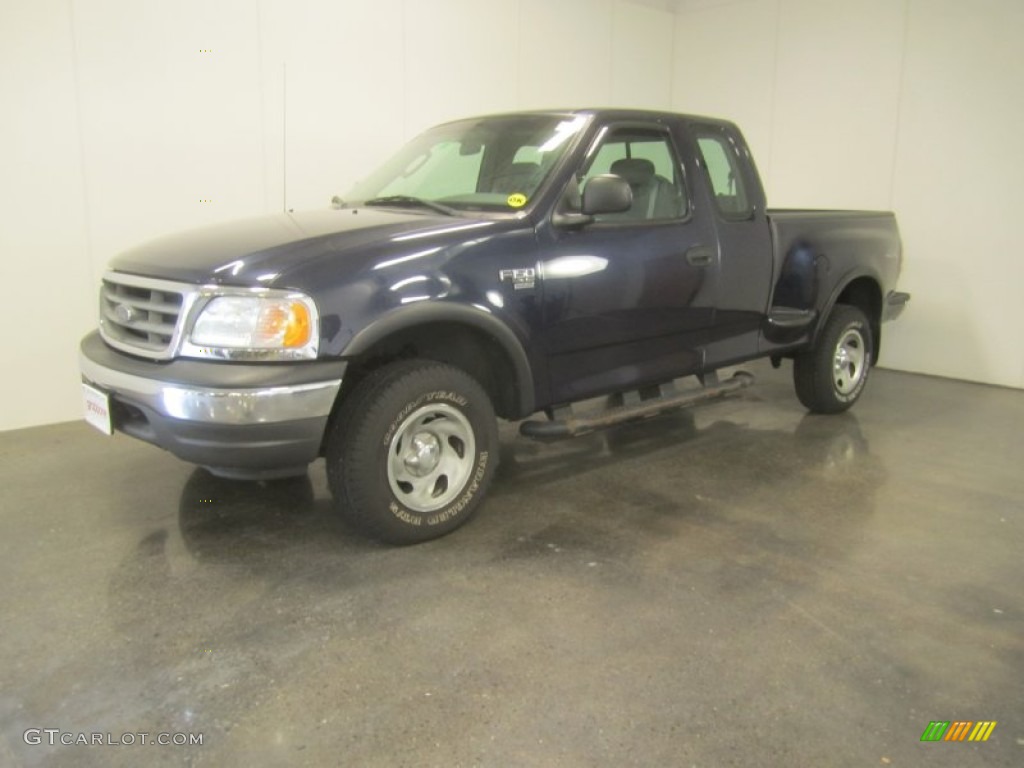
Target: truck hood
column 262, row 250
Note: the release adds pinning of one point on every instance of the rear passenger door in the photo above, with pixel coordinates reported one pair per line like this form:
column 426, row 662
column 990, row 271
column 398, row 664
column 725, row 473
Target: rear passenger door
column 627, row 299
column 736, row 205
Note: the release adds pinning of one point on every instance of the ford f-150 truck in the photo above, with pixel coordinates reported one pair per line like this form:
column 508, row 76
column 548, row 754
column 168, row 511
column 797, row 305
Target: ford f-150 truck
column 496, row 267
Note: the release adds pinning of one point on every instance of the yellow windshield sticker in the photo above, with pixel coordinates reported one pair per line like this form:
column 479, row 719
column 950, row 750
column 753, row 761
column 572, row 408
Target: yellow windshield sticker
column 516, row 201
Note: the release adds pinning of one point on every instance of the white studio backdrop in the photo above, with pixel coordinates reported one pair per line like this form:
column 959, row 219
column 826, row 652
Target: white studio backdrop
column 127, row 119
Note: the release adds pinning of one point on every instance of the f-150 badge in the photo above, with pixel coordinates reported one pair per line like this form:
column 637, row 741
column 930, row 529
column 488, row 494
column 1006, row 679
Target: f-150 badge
column 519, row 278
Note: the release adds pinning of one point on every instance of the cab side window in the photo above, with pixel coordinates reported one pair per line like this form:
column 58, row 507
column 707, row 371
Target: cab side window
column 724, row 175
column 645, row 159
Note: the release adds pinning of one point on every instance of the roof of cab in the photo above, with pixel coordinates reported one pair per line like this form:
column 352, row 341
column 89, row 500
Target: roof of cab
column 615, row 113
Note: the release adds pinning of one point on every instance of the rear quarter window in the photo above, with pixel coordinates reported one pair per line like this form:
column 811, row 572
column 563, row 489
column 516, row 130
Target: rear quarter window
column 724, row 175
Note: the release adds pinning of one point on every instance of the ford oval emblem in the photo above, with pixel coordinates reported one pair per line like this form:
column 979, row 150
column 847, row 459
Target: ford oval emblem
column 124, row 313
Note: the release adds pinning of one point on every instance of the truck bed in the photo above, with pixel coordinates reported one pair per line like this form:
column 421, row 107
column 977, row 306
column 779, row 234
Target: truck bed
column 815, row 248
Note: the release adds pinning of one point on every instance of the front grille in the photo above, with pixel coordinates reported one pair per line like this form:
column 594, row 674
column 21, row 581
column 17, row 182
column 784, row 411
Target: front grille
column 140, row 315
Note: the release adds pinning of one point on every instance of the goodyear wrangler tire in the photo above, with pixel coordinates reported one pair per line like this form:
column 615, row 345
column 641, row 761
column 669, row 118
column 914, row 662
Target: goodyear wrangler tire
column 830, row 376
column 412, row 452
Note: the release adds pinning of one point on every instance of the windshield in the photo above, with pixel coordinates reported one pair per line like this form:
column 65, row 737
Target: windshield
column 493, row 164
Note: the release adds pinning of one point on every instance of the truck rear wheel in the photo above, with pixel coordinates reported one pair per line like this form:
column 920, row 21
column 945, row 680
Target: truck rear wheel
column 412, row 452
column 830, row 376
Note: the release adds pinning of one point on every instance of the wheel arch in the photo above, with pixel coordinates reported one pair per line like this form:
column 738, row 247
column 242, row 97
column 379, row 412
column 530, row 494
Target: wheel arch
column 468, row 338
column 863, row 291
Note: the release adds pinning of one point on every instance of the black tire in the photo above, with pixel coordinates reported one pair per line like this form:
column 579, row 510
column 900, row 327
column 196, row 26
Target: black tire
column 830, row 376
column 412, row 451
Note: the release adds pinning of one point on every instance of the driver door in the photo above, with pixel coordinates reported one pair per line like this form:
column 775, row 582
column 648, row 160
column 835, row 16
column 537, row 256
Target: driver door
column 627, row 299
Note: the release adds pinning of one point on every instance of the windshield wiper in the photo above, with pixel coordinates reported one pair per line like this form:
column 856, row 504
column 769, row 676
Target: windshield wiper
column 409, row 200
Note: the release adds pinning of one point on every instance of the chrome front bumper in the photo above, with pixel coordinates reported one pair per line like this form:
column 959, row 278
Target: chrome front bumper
column 258, row 420
column 266, row 405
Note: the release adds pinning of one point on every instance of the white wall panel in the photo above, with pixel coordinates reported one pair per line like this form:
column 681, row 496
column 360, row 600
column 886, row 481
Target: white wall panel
column 564, row 53
column 171, row 121
column 642, row 48
column 49, row 295
column 461, row 59
column 958, row 194
column 725, row 58
column 345, row 95
column 835, row 105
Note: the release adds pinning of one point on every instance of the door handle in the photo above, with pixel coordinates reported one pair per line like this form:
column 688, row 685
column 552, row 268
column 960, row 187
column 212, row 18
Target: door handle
column 700, row 256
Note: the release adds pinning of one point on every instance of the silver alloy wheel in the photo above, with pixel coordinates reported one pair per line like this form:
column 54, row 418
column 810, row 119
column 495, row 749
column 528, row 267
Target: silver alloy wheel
column 849, row 364
column 431, row 457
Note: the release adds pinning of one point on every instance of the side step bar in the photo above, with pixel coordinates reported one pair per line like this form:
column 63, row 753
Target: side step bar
column 634, row 405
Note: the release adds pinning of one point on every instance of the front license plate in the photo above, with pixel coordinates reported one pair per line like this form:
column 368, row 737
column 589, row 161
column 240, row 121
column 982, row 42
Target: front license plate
column 97, row 409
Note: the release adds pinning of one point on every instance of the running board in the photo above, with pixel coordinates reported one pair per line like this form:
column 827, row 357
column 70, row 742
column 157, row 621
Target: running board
column 628, row 406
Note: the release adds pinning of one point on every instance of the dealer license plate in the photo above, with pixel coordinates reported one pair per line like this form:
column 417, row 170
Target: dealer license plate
column 97, row 409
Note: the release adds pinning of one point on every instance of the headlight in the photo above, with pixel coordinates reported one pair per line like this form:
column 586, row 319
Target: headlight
column 260, row 327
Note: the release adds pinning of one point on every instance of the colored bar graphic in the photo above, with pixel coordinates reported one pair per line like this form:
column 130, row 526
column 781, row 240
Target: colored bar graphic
column 958, row 730
column 982, row 730
column 935, row 730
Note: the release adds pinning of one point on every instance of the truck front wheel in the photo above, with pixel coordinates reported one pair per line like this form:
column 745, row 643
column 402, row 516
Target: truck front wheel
column 830, row 376
column 412, row 451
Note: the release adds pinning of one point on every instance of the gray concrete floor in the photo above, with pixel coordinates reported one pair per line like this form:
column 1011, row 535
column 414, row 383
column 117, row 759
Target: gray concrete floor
column 737, row 585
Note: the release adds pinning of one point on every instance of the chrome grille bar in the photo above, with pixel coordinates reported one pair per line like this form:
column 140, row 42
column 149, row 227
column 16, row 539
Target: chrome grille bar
column 143, row 316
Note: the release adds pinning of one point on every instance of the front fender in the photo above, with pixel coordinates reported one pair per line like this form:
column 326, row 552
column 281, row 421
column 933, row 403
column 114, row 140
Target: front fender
column 402, row 318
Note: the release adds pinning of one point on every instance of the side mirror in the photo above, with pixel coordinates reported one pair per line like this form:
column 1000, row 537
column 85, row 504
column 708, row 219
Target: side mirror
column 606, row 194
column 603, row 194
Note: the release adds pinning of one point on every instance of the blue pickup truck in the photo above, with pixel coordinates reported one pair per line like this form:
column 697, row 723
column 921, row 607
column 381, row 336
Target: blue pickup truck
column 496, row 267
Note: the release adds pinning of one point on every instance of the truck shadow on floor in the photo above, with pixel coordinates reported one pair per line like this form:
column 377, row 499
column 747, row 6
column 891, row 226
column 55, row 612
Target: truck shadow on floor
column 660, row 468
column 228, row 520
column 665, row 480
column 829, row 442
